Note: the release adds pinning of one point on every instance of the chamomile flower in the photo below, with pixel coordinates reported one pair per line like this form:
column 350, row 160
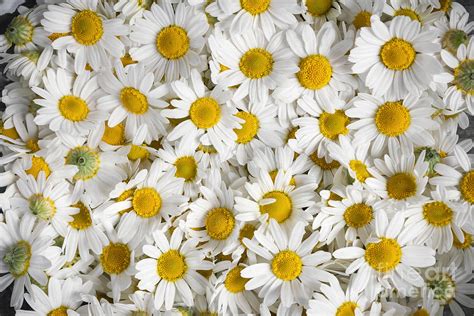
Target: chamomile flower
column 207, row 115
column 455, row 30
column 461, row 85
column 157, row 197
column 347, row 219
column 415, row 10
column 322, row 61
column 290, row 268
column 22, row 249
column 318, row 12
column 275, row 199
column 385, row 257
column 90, row 35
column 69, row 104
column 132, row 9
column 327, row 121
column 382, row 120
column 396, row 58
column 171, row 40
column 212, row 219
column 359, row 13
column 132, row 97
column 62, row 297
column 253, row 63
column 170, row 271
column 259, row 129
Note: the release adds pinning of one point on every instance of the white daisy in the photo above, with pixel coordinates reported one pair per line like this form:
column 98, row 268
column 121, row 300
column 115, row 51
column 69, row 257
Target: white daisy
column 322, row 61
column 90, row 35
column 318, row 12
column 358, row 13
column 455, row 30
column 396, row 58
column 132, row 9
column 385, row 258
column 253, row 63
column 69, row 104
column 382, row 120
column 207, row 114
column 276, row 199
column 171, row 39
column 172, row 266
column 132, row 97
column 416, row 11
column 290, row 268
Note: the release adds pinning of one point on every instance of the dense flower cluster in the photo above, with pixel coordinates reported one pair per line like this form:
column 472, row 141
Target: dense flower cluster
column 237, row 157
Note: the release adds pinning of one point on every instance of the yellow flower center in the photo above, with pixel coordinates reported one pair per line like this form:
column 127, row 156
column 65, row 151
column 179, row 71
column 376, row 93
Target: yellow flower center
column 186, row 168
column 249, row 128
column 315, row 72
column 219, row 223
column 318, row 7
column 287, row 265
column 466, row 186
column 127, row 60
column 362, row 19
column 207, row 149
column 346, row 309
column 255, row 7
column 437, row 213
column 172, row 42
column 392, row 119
column 115, row 258
column 134, row 101
column 360, row 170
column 9, row 132
column 17, row 258
column 60, row 311
column 322, row 162
column 445, row 5
column 397, row 54
column 114, row 136
column 146, row 202
column 234, row 282
column 463, row 245
column 274, row 173
column 86, row 27
column 138, row 152
column 256, row 63
column 246, row 232
column 358, row 215
column 334, row 124
column 81, row 220
column 421, row 312
column 171, row 265
column 55, row 36
column 38, row 164
column 409, row 13
column 205, row 112
column 384, row 255
column 401, row 186
column 124, row 196
column 73, row 108
column 32, row 145
column 281, row 209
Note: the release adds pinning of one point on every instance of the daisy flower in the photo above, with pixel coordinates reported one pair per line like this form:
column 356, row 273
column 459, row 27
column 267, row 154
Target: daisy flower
column 62, row 297
column 396, row 58
column 382, row 120
column 455, row 30
column 416, row 11
column 45, row 199
column 267, row 15
column 158, row 196
column 290, row 268
column 206, row 115
column 253, row 63
column 259, row 129
column 172, row 267
column 322, row 62
column 463, row 252
column 435, row 222
column 353, row 157
column 212, row 219
column 170, row 40
column 22, row 249
column 89, row 35
column 460, row 90
column 231, row 295
column 318, row 12
column 334, row 301
column 385, row 258
column 359, row 13
column 327, row 121
column 131, row 97
column 69, row 104
column 132, row 9
column 323, row 171
column 347, row 219
column 278, row 200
